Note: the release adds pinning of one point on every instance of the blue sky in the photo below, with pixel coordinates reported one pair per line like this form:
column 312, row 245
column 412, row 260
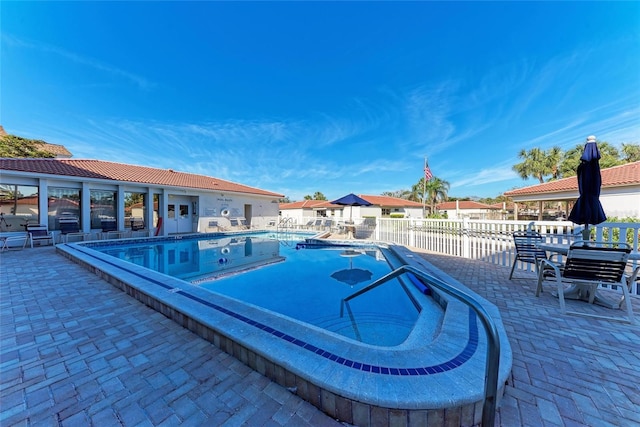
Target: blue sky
column 299, row 97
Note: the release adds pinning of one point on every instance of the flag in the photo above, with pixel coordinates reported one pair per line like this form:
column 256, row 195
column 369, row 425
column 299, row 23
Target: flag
column 427, row 172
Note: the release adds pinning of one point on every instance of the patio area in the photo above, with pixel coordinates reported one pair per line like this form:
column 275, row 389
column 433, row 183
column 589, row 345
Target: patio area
column 77, row 351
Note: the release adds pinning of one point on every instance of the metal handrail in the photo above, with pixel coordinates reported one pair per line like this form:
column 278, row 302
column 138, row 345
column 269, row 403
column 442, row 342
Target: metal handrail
column 282, row 224
column 493, row 340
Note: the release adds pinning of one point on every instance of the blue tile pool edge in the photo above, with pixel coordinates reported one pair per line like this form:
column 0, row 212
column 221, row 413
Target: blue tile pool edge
column 89, row 258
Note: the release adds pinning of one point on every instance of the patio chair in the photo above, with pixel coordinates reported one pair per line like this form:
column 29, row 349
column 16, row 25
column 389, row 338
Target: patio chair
column 69, row 224
column 527, row 250
column 308, row 225
column 588, row 267
column 212, row 226
column 108, row 224
column 136, row 224
column 39, row 233
column 366, row 228
column 14, row 242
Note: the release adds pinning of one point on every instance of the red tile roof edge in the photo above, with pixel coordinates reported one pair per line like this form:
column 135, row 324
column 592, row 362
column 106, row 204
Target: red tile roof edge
column 465, row 204
column 112, row 171
column 616, row 176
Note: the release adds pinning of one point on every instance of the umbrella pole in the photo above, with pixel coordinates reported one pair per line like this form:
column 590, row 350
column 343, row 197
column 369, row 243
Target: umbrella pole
column 586, row 233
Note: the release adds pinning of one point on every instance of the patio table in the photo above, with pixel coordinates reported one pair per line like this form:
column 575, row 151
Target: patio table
column 575, row 291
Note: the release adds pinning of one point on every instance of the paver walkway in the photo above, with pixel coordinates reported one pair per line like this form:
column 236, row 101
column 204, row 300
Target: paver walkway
column 567, row 370
column 76, row 351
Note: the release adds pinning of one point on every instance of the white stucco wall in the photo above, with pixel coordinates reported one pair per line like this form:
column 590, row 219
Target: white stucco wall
column 621, row 205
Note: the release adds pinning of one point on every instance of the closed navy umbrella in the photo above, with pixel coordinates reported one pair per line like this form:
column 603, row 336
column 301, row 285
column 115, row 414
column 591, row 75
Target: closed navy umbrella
column 351, row 200
column 588, row 209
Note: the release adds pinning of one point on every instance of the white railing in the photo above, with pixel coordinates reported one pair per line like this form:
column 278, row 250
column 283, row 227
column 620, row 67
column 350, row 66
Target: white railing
column 490, row 240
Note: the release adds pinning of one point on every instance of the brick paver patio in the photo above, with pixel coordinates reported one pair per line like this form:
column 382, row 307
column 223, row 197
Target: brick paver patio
column 76, row 351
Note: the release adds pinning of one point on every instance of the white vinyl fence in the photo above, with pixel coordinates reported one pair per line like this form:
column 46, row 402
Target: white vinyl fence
column 491, row 240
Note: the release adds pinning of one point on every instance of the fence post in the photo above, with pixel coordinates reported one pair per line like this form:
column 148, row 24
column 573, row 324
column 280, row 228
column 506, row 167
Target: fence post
column 412, row 234
column 466, row 240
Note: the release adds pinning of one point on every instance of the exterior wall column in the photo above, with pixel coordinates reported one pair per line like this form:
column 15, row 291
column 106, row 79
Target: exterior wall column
column 120, row 209
column 85, row 208
column 43, row 201
column 163, row 209
column 148, row 211
column 540, row 203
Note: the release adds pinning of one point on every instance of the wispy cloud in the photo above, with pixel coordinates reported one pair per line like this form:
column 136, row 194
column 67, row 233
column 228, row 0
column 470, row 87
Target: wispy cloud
column 139, row 81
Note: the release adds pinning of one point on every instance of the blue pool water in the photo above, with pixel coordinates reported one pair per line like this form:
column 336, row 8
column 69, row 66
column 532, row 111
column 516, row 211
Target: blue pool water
column 278, row 274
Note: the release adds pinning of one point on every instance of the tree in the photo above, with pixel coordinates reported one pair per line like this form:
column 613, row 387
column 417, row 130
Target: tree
column 609, row 157
column 538, row 163
column 16, row 146
column 554, row 158
column 631, row 152
column 417, row 192
column 399, row 194
column 316, row 196
column 436, row 191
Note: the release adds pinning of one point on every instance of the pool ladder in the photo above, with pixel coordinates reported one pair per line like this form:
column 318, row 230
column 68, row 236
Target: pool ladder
column 284, row 226
column 493, row 340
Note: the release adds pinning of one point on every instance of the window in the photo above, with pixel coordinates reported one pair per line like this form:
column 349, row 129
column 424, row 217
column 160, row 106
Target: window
column 184, row 211
column 156, row 209
column 386, row 212
column 134, row 209
column 103, row 208
column 62, row 202
column 18, row 204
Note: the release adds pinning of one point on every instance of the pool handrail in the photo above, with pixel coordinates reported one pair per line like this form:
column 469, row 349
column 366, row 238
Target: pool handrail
column 493, row 340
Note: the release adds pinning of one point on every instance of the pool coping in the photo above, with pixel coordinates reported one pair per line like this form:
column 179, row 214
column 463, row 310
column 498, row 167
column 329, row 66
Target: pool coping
column 342, row 377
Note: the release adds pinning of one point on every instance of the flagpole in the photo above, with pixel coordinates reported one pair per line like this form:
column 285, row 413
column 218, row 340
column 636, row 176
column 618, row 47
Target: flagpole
column 424, row 190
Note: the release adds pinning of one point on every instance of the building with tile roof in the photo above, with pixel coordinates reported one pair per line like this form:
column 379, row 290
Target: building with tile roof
column 381, row 207
column 459, row 209
column 96, row 191
column 619, row 194
column 59, row 151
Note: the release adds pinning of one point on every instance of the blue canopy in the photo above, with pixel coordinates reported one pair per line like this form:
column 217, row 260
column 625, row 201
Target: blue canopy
column 588, row 209
column 351, row 200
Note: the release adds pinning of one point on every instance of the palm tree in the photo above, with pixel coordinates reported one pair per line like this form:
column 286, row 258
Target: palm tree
column 535, row 164
column 609, row 157
column 554, row 158
column 417, row 192
column 436, row 191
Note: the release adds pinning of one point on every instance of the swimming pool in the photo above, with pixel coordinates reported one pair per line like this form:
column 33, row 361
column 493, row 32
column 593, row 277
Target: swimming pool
column 439, row 379
column 304, row 282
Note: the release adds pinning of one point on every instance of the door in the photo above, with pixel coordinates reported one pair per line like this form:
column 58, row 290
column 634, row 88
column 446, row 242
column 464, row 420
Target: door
column 179, row 215
column 171, row 225
column 184, row 217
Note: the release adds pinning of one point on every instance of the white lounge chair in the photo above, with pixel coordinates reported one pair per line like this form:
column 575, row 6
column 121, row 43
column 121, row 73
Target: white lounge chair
column 14, row 242
column 590, row 265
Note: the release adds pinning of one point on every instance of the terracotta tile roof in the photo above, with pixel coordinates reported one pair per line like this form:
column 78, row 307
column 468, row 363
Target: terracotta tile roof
column 385, row 201
column 617, row 176
column 55, row 149
column 465, row 204
column 308, row 204
column 389, row 201
column 508, row 206
column 111, row 171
